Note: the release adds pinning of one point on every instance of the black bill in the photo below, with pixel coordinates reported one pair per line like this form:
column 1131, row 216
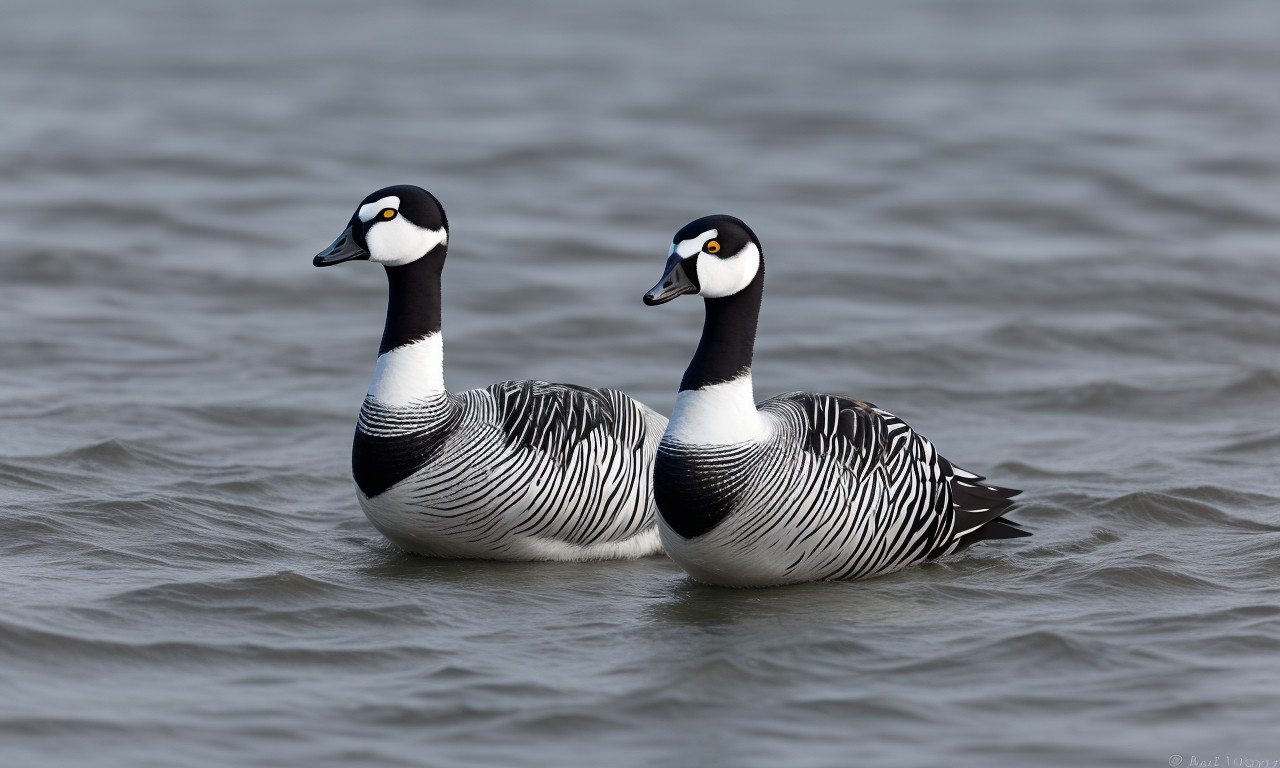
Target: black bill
column 680, row 278
column 345, row 248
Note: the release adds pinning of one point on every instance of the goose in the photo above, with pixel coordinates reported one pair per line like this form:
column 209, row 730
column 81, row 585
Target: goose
column 520, row 470
column 803, row 486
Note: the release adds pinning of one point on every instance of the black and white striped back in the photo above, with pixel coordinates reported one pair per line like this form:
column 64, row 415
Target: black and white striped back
column 520, row 470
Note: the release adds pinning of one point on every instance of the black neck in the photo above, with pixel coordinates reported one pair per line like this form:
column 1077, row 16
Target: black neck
column 728, row 337
column 413, row 301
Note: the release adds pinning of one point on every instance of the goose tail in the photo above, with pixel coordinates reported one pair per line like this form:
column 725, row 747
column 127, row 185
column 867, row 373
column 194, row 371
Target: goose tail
column 979, row 509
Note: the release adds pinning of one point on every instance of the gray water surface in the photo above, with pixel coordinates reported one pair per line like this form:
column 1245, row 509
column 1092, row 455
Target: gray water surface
column 1045, row 234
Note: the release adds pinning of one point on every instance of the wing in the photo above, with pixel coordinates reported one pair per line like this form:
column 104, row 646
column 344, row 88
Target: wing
column 572, row 464
column 555, row 419
column 931, row 508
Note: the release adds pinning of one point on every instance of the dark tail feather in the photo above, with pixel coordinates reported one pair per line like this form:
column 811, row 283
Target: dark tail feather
column 978, row 509
column 980, row 497
column 996, row 529
column 1007, row 493
column 967, row 479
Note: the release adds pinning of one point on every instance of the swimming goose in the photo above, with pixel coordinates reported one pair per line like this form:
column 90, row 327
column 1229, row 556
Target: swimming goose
column 521, row 470
column 803, row 486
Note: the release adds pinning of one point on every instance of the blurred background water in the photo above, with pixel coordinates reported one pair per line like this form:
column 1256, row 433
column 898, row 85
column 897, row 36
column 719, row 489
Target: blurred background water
column 1046, row 234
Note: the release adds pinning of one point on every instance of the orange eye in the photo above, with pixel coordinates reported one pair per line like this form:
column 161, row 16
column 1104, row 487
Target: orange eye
column 388, row 213
column 712, row 246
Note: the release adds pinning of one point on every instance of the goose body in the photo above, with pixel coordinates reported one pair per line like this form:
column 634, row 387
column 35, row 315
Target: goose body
column 520, row 470
column 803, row 486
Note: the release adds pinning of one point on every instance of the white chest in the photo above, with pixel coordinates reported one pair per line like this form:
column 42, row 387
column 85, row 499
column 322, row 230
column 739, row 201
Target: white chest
column 408, row 373
column 719, row 414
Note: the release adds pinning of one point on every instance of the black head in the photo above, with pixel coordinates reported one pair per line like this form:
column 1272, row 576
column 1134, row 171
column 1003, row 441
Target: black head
column 714, row 256
column 393, row 226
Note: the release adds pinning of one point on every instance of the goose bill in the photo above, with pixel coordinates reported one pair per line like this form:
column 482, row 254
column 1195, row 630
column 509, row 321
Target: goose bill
column 675, row 282
column 343, row 249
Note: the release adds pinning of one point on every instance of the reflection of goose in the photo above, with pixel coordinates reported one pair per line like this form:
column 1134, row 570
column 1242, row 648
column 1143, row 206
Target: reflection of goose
column 521, row 470
column 804, row 486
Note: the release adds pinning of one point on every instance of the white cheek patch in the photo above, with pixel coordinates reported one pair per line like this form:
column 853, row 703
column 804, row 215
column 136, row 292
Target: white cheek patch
column 398, row 241
column 369, row 210
column 724, row 277
column 687, row 248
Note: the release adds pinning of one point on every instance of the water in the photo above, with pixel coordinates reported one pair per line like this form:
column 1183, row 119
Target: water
column 1045, row 234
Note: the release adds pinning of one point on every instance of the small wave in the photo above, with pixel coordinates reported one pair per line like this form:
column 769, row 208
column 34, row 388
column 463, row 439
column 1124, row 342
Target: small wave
column 567, row 723
column 858, row 708
column 110, row 455
column 1264, row 382
column 247, row 415
column 1218, row 213
column 1198, row 506
column 118, row 212
column 18, row 478
column 284, row 586
column 1166, row 577
column 1101, row 397
column 1042, row 649
column 47, row 727
column 51, row 646
column 1256, row 167
column 1256, row 616
column 1263, row 446
column 1024, row 469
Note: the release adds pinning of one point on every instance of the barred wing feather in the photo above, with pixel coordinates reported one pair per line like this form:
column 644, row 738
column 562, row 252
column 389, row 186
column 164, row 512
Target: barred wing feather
column 525, row 466
column 906, row 501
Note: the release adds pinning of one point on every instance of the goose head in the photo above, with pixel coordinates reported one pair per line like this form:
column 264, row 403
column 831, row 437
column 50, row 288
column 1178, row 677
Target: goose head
column 713, row 257
column 394, row 226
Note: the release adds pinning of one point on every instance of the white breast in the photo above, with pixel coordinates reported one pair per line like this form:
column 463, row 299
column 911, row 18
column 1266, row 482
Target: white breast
column 719, row 414
column 408, row 373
